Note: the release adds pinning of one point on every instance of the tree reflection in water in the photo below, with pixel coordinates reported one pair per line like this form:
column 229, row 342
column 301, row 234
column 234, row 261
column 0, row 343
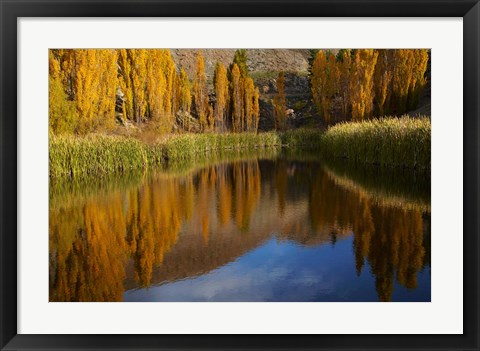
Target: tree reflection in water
column 171, row 227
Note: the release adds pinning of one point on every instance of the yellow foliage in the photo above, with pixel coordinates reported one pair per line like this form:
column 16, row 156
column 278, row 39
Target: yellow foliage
column 249, row 96
column 200, row 91
column 221, row 93
column 237, row 101
column 361, row 83
column 89, row 81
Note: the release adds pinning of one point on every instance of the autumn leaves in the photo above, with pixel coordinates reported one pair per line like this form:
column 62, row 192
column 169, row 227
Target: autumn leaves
column 91, row 88
column 86, row 85
column 82, row 88
column 368, row 82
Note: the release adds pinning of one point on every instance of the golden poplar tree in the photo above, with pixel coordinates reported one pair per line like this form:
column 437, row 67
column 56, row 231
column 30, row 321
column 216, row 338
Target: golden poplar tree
column 184, row 98
column 134, row 69
column 249, row 96
column 138, row 58
column 170, row 72
column 200, row 91
column 361, row 83
column 344, row 66
column 221, row 94
column 332, row 86
column 126, row 84
column 323, row 83
column 160, row 88
column 237, row 103
column 418, row 82
column 402, row 77
column 84, row 87
column 155, row 85
column 382, row 81
column 63, row 116
column 185, row 92
column 107, row 89
column 89, row 80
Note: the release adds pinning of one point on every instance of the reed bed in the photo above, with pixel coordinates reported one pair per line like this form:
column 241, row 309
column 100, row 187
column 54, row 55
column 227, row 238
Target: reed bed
column 303, row 137
column 189, row 146
column 68, row 192
column 392, row 142
column 101, row 154
column 98, row 154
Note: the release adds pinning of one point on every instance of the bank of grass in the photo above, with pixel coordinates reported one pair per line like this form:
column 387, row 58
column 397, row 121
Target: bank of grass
column 102, row 154
column 68, row 192
column 307, row 138
column 391, row 142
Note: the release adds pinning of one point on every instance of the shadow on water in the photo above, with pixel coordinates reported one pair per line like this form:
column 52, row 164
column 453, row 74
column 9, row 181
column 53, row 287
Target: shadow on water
column 243, row 228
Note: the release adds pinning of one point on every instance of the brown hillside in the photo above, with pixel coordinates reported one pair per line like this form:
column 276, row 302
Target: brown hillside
column 259, row 60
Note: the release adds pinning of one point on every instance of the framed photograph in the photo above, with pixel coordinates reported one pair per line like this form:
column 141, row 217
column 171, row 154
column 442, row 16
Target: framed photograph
column 239, row 175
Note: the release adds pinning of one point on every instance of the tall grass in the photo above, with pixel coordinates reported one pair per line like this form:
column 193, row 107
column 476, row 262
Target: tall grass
column 188, row 146
column 97, row 154
column 392, row 142
column 100, row 154
column 303, row 137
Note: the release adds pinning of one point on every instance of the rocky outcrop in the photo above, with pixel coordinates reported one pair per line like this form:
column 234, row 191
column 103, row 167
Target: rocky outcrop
column 258, row 60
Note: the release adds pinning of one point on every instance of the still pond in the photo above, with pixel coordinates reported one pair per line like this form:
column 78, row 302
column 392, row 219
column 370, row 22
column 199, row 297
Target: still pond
column 263, row 227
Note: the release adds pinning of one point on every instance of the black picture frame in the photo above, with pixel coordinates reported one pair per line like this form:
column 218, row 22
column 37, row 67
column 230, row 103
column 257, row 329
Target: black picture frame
column 11, row 10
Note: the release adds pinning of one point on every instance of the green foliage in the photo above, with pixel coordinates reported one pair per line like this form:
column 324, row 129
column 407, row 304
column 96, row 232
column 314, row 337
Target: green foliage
column 97, row 154
column 241, row 60
column 391, row 142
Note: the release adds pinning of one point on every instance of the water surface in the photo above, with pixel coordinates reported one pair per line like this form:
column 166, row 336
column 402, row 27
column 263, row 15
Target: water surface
column 276, row 228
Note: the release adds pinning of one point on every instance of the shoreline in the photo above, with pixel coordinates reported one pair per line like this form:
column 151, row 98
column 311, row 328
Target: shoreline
column 389, row 142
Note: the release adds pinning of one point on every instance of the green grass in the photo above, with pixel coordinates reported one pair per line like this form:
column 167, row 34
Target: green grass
column 65, row 191
column 100, row 154
column 390, row 142
column 308, row 138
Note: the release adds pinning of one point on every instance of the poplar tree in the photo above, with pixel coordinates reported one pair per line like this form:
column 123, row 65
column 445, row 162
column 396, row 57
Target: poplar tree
column 344, row 62
column 63, row 116
column 361, row 83
column 402, row 77
column 249, row 96
column 418, row 82
column 382, row 81
column 256, row 108
column 200, row 91
column 323, row 83
column 88, row 79
column 221, row 94
column 240, row 59
column 237, row 103
column 133, row 70
column 183, row 98
column 156, row 85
